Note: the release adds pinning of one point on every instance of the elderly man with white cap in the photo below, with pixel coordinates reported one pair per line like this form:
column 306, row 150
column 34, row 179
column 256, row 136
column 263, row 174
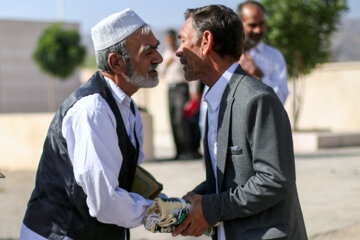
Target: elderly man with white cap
column 94, row 142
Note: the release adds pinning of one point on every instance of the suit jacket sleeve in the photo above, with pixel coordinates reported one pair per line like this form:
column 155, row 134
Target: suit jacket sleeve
column 269, row 143
column 200, row 189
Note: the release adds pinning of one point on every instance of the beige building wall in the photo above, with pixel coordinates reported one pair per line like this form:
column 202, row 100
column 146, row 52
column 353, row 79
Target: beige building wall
column 21, row 140
column 23, row 87
column 330, row 101
column 330, row 98
column 23, row 135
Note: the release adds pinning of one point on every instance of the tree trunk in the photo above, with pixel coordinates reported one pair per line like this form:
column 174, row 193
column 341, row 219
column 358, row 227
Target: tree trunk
column 295, row 74
column 51, row 94
column 297, row 93
column 293, row 102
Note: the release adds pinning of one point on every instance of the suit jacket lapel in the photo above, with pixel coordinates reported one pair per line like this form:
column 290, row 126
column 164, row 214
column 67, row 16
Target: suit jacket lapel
column 224, row 122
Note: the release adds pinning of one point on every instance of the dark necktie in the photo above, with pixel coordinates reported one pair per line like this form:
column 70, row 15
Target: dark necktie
column 132, row 107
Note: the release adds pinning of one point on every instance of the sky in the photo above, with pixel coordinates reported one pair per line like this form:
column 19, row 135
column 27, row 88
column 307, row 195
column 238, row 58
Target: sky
column 159, row 14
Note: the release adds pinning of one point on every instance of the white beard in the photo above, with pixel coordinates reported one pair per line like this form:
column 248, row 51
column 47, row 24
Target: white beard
column 143, row 82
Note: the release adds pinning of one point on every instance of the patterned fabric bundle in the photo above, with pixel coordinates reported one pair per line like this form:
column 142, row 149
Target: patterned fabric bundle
column 166, row 214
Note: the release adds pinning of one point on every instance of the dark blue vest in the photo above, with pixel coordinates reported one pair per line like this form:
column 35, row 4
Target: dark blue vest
column 57, row 207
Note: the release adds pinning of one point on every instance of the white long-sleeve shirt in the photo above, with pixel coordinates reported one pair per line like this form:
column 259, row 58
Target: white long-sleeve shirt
column 89, row 129
column 272, row 64
column 213, row 98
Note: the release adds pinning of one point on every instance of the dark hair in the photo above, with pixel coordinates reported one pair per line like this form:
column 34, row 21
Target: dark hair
column 259, row 5
column 225, row 26
column 171, row 32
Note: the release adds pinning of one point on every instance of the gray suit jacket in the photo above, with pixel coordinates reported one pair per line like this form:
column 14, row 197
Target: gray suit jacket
column 257, row 196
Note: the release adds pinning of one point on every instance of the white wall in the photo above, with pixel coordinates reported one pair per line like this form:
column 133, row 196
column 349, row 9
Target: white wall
column 23, row 135
column 331, row 98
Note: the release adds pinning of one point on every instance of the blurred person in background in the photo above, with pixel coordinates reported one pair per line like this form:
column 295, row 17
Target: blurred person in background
column 183, row 101
column 260, row 60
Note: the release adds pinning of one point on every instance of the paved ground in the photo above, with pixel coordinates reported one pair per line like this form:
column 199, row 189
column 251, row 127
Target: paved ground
column 328, row 185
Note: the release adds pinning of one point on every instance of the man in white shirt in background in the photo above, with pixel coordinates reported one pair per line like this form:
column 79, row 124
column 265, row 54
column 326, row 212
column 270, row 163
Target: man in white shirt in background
column 181, row 94
column 259, row 59
column 95, row 141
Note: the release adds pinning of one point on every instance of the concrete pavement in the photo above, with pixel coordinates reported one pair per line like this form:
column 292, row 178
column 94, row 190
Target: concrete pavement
column 328, row 183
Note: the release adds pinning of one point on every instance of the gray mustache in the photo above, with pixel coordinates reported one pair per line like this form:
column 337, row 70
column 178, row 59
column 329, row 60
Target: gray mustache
column 153, row 67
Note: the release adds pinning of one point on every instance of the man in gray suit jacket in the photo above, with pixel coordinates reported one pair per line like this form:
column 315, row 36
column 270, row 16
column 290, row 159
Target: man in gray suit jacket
column 250, row 188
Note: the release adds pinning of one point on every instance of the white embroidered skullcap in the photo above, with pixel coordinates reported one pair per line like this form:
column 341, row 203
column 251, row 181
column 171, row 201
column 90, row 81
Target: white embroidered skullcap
column 115, row 28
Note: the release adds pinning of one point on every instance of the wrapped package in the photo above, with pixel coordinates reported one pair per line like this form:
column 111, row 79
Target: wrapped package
column 166, row 214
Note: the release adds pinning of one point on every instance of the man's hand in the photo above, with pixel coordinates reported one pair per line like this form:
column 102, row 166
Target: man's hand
column 194, row 224
column 249, row 66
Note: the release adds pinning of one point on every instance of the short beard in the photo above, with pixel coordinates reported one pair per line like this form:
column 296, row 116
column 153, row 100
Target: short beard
column 249, row 42
column 187, row 73
column 136, row 79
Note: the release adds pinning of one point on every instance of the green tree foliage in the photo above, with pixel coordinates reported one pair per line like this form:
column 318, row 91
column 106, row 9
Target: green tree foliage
column 59, row 51
column 89, row 62
column 301, row 30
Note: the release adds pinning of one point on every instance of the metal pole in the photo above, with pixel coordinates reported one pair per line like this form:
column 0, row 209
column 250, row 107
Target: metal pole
column 61, row 10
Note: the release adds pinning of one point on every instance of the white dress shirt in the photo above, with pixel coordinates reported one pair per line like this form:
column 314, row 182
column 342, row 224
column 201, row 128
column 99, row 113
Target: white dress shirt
column 89, row 128
column 213, row 98
column 272, row 64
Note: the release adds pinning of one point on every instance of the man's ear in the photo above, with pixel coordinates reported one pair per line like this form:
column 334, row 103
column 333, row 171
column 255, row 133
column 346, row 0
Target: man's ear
column 207, row 42
column 116, row 63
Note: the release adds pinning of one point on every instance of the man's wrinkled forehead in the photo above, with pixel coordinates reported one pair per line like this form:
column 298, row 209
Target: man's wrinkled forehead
column 187, row 30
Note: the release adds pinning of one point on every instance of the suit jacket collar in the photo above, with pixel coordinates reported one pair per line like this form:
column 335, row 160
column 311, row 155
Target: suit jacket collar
column 224, row 122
